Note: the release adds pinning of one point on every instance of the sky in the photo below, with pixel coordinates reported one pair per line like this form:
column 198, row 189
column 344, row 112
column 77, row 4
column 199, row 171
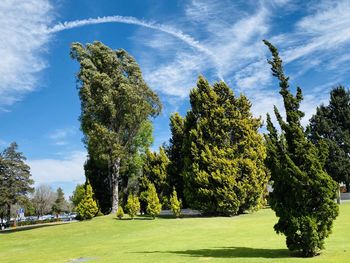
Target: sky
column 174, row 42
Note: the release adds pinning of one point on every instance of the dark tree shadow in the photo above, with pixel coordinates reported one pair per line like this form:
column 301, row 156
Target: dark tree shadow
column 133, row 219
column 229, row 252
column 28, row 227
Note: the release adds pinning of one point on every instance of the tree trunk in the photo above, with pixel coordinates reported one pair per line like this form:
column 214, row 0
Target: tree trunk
column 338, row 195
column 115, row 188
column 347, row 185
column 8, row 218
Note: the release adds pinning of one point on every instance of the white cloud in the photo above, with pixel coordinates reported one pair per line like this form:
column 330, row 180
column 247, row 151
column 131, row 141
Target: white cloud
column 323, row 31
column 21, row 46
column 60, row 136
column 27, row 31
column 48, row 171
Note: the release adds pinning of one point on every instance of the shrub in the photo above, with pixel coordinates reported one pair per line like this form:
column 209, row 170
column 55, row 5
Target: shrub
column 132, row 205
column 175, row 204
column 153, row 205
column 120, row 212
column 87, row 208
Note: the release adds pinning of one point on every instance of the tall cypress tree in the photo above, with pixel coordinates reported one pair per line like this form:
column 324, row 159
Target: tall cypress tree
column 224, row 170
column 331, row 124
column 174, row 152
column 303, row 193
column 155, row 172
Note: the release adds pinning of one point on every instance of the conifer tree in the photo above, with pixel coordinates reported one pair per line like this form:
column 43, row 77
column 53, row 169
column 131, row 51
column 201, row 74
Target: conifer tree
column 87, row 208
column 303, row 193
column 15, row 179
column 155, row 172
column 154, row 207
column 60, row 204
column 176, row 160
column 331, row 124
column 224, row 171
column 78, row 194
column 132, row 205
column 120, row 212
column 175, row 204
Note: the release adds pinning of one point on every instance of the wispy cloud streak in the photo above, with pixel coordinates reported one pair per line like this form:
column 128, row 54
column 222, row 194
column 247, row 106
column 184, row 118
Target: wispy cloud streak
column 134, row 21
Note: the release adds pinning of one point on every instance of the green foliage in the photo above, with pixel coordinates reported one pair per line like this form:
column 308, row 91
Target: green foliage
column 155, row 172
column 120, row 212
column 87, row 208
column 154, row 207
column 15, row 179
column 303, row 193
column 224, row 171
column 115, row 102
column 175, row 204
column 175, row 155
column 132, row 167
column 96, row 171
column 60, row 204
column 78, row 194
column 132, row 205
column 331, row 125
column 143, row 201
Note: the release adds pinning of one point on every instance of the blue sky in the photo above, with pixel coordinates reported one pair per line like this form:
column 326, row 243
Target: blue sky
column 174, row 42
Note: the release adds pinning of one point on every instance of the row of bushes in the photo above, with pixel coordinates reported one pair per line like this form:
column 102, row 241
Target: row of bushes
column 153, row 205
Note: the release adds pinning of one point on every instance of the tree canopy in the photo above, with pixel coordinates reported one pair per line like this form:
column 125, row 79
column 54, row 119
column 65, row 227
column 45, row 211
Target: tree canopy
column 115, row 101
column 15, row 179
column 331, row 124
column 176, row 158
column 224, row 171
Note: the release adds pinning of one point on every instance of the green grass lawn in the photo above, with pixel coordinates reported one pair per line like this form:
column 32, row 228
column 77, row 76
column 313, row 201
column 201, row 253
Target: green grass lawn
column 245, row 238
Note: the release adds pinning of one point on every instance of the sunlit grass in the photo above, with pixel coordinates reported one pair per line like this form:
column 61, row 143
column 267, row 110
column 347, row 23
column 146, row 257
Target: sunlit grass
column 246, row 238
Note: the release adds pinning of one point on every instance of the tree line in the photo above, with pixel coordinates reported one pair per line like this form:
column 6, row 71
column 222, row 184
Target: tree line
column 16, row 189
column 216, row 160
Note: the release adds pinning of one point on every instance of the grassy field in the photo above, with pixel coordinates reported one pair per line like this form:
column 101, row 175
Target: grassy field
column 246, row 238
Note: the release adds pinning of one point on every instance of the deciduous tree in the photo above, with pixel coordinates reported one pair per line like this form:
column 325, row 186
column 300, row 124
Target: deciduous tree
column 43, row 199
column 115, row 101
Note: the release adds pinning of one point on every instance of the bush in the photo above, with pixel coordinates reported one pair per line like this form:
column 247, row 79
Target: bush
column 87, row 207
column 175, row 204
column 120, row 212
column 153, row 205
column 132, row 205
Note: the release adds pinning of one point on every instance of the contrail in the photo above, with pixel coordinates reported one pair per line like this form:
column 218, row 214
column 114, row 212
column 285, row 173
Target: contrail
column 134, row 21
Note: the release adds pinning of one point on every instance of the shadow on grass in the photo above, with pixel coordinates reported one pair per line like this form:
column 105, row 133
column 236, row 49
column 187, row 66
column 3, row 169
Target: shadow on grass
column 29, row 227
column 229, row 252
column 133, row 219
